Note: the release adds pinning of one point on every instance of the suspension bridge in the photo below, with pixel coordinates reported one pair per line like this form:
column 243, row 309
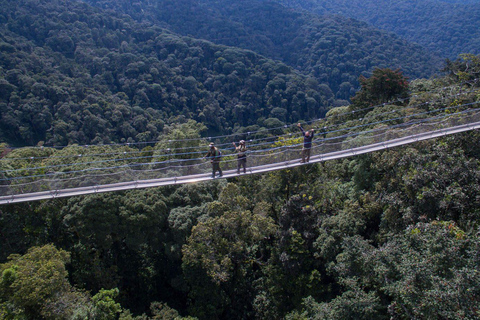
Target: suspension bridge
column 82, row 170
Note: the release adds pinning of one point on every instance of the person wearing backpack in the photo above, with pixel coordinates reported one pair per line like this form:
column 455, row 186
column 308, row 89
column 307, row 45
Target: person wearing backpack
column 215, row 157
column 241, row 156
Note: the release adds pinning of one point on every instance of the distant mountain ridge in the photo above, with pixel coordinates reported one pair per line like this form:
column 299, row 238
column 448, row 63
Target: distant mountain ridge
column 446, row 27
column 334, row 49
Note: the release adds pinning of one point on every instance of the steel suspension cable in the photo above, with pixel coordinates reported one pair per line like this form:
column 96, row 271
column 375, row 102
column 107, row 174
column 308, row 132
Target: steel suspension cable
column 190, row 159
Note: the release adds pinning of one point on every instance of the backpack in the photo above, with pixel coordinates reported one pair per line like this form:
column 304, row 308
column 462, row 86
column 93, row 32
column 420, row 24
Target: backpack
column 242, row 151
column 219, row 155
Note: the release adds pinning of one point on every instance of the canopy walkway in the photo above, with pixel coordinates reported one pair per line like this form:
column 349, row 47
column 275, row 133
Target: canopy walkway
column 124, row 167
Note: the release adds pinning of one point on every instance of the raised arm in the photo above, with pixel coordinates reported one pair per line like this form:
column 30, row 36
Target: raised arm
column 300, row 126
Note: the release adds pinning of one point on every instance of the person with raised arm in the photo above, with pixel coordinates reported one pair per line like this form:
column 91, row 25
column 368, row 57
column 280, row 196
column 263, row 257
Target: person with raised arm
column 307, row 143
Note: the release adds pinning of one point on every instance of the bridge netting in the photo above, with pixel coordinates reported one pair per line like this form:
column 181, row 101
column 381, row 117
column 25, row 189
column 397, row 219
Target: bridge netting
column 50, row 169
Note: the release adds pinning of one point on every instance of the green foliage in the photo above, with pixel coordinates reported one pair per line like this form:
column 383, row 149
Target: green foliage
column 35, row 286
column 465, row 68
column 432, row 182
column 122, row 239
column 232, row 237
column 354, row 304
column 107, row 308
column 383, row 86
column 323, row 46
column 221, row 256
column 36, row 276
column 124, row 86
column 162, row 311
column 180, row 140
column 431, row 273
column 391, row 234
column 424, row 272
column 127, row 86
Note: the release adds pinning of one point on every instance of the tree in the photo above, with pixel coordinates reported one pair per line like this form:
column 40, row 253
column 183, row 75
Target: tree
column 383, row 86
column 430, row 271
column 465, row 68
column 220, row 259
column 32, row 284
column 353, row 304
column 222, row 244
column 180, row 141
column 430, row 182
column 118, row 241
column 107, row 308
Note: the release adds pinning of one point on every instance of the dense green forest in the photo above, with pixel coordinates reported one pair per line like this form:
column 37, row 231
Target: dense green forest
column 335, row 50
column 74, row 74
column 391, row 234
column 446, row 27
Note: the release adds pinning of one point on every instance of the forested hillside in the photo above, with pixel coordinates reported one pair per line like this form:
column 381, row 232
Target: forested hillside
column 74, row 74
column 335, row 50
column 446, row 27
column 391, row 234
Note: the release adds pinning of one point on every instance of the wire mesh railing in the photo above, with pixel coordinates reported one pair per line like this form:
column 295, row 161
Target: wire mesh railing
column 256, row 158
column 73, row 168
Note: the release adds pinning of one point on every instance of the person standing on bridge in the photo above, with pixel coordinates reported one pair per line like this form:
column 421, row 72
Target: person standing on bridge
column 241, row 156
column 215, row 157
column 307, row 143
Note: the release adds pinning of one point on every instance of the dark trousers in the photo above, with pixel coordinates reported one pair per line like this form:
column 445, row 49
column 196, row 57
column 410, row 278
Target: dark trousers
column 215, row 168
column 306, row 154
column 242, row 162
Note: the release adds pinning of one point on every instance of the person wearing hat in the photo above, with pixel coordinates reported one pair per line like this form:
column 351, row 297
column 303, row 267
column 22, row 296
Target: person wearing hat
column 307, row 143
column 241, row 156
column 215, row 157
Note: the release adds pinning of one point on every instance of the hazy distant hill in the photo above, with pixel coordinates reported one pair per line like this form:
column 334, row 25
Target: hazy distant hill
column 447, row 27
column 71, row 73
column 334, row 49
